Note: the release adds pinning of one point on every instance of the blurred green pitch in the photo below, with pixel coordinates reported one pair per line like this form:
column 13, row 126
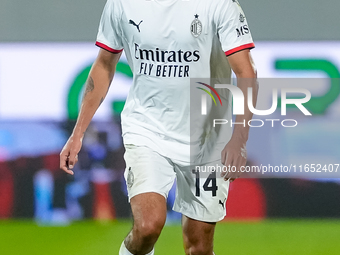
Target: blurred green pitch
column 301, row 237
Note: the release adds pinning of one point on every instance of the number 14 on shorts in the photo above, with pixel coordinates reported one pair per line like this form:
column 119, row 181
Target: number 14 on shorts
column 209, row 183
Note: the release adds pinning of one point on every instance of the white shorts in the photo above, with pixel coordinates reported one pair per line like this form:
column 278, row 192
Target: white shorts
column 198, row 196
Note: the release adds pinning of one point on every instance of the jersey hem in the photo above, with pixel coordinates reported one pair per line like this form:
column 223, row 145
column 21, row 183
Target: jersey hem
column 242, row 47
column 105, row 47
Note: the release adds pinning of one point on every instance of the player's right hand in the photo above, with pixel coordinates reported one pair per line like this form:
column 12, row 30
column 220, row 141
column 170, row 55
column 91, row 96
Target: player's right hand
column 69, row 154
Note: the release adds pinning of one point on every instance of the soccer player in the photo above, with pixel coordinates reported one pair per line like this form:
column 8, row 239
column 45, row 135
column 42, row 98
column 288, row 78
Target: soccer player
column 168, row 43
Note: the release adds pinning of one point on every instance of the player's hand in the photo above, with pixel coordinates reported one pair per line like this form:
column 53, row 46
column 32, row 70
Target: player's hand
column 69, row 154
column 234, row 156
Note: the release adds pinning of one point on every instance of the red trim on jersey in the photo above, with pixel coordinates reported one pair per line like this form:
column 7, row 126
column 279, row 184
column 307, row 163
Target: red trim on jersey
column 105, row 47
column 242, row 47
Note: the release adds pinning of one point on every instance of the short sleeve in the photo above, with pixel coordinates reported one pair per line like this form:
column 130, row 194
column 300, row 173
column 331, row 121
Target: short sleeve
column 232, row 27
column 109, row 36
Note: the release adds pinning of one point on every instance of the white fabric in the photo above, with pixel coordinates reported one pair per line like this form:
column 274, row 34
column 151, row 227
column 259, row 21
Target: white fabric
column 151, row 252
column 147, row 171
column 164, row 54
column 124, row 251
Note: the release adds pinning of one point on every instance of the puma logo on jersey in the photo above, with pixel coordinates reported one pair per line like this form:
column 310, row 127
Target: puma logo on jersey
column 134, row 24
column 222, row 203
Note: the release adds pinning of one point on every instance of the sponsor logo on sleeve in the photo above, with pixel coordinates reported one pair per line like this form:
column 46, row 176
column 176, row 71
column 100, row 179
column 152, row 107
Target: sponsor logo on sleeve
column 243, row 30
column 242, row 18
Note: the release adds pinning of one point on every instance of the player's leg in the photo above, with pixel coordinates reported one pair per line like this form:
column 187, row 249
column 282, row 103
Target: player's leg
column 198, row 236
column 149, row 178
column 201, row 199
column 149, row 215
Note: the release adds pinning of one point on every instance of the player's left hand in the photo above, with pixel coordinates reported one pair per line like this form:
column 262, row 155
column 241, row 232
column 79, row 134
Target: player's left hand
column 234, row 156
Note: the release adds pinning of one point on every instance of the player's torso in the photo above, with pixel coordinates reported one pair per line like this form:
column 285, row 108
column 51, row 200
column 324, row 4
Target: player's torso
column 167, row 38
column 166, row 42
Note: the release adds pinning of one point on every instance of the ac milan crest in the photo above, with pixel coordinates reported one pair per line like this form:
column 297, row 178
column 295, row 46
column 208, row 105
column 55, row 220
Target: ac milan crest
column 196, row 27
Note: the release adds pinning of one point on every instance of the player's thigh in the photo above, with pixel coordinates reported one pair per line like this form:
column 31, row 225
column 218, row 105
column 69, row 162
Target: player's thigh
column 201, row 194
column 149, row 177
column 149, row 213
column 198, row 236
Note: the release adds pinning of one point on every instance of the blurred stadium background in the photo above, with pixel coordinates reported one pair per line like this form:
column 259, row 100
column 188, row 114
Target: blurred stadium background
column 46, row 51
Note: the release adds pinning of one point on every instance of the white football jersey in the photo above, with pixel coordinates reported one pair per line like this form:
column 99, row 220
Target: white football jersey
column 168, row 43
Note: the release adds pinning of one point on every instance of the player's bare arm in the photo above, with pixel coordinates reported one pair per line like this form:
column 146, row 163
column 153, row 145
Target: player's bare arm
column 96, row 88
column 235, row 153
